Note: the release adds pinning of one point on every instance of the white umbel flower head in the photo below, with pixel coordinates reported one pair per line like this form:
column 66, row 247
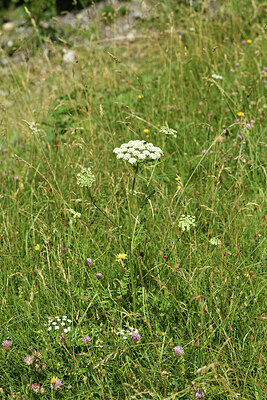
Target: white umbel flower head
column 215, row 76
column 138, row 151
column 85, row 178
column 186, row 222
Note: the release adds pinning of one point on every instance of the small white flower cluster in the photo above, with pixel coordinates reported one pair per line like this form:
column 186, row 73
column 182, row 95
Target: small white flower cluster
column 74, row 213
column 33, row 127
column 168, row 131
column 138, row 151
column 57, row 323
column 128, row 332
column 215, row 76
column 186, row 222
column 215, row 241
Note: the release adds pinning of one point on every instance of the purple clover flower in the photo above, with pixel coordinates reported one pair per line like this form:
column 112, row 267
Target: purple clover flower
column 63, row 250
column 89, row 261
column 6, row 345
column 265, row 69
column 227, row 38
column 86, row 339
column 136, row 337
column 237, row 64
column 35, row 387
column 248, row 126
column 232, row 70
column 239, row 137
column 57, row 384
column 252, row 121
column 200, row 395
column 204, row 151
column 98, row 275
column 179, row 351
column 5, row 150
column 243, row 42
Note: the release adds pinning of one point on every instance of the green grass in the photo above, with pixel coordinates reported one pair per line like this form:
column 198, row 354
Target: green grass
column 207, row 298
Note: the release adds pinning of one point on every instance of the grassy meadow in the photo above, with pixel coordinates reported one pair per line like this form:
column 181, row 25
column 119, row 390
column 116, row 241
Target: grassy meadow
column 149, row 283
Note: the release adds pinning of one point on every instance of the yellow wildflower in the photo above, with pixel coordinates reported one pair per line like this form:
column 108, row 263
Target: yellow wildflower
column 53, row 380
column 146, row 130
column 37, row 247
column 240, row 114
column 246, row 275
column 140, row 96
column 249, row 41
column 121, row 256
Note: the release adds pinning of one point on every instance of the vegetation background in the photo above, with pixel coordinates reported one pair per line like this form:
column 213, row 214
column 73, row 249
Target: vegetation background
column 200, row 67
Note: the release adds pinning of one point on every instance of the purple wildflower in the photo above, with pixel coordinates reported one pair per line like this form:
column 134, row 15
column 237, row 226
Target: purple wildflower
column 15, row 177
column 239, row 137
column 63, row 337
column 86, row 339
column 63, row 250
column 227, row 38
column 243, row 42
column 89, row 261
column 204, row 151
column 5, row 150
column 35, row 387
column 237, row 64
column 249, row 126
column 232, row 70
column 43, row 366
column 252, row 121
column 265, row 69
column 29, row 360
column 179, row 351
column 199, row 395
column 172, row 215
column 136, row 337
column 211, row 152
column 261, row 118
column 237, row 120
column 57, row 384
column 98, row 275
column 6, row 345
column 69, row 386
column 210, row 114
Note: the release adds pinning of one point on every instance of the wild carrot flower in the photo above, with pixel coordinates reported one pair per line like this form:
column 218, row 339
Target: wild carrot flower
column 85, row 178
column 215, row 241
column 86, row 339
column 136, row 151
column 179, row 351
column 6, row 345
column 186, row 222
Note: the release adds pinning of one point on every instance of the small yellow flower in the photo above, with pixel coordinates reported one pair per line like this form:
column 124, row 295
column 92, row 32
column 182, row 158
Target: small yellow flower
column 37, row 247
column 53, row 380
column 249, row 41
column 121, row 256
column 59, row 263
column 240, row 114
column 246, row 275
column 140, row 96
column 40, row 331
column 146, row 130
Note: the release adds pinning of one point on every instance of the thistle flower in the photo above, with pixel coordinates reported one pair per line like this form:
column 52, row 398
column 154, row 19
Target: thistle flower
column 85, row 178
column 98, row 275
column 186, row 222
column 179, row 351
column 6, row 345
column 89, row 261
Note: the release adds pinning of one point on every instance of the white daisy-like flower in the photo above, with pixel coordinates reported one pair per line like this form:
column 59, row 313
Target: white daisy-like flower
column 66, row 330
column 132, row 160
